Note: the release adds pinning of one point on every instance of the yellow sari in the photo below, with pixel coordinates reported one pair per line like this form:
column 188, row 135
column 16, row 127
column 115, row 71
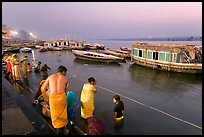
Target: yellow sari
column 58, row 110
column 87, row 100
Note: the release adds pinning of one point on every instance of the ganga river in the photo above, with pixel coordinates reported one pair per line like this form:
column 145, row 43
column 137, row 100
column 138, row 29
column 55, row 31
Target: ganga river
column 156, row 102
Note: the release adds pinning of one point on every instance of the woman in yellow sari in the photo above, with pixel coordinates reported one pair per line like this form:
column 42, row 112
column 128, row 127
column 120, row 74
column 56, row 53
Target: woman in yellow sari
column 87, row 98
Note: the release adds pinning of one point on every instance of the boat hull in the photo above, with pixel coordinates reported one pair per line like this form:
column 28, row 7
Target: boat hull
column 97, row 59
column 193, row 68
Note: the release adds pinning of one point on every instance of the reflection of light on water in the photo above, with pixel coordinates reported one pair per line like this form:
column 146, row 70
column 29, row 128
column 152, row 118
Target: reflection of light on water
column 33, row 55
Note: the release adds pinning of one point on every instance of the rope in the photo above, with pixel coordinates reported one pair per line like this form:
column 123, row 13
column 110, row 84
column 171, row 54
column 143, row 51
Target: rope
column 138, row 102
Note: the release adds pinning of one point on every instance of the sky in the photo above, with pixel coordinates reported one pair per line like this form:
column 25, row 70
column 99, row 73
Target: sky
column 104, row 20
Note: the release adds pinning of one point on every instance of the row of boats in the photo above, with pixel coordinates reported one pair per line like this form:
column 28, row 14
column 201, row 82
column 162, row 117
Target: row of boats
column 170, row 57
column 66, row 47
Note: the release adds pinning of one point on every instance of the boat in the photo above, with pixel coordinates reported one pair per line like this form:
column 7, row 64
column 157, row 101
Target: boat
column 51, row 48
column 94, row 56
column 38, row 46
column 26, row 50
column 125, row 49
column 108, row 52
column 43, row 49
column 125, row 54
column 169, row 57
column 94, row 47
column 12, row 50
column 78, row 47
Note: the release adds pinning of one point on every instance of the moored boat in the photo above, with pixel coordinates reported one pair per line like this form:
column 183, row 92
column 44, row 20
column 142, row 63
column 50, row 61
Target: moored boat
column 43, row 49
column 12, row 50
column 26, row 50
column 169, row 57
column 125, row 54
column 94, row 56
column 94, row 47
column 125, row 49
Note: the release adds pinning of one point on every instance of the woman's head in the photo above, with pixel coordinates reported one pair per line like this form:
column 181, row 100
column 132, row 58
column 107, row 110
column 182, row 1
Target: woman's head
column 92, row 80
column 116, row 98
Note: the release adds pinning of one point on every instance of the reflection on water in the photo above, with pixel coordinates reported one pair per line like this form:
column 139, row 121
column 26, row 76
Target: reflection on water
column 170, row 81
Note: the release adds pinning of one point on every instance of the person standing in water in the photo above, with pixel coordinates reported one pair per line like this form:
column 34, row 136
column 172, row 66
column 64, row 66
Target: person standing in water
column 87, row 98
column 118, row 108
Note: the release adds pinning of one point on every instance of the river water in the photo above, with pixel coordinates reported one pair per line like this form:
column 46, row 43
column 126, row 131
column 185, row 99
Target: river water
column 156, row 102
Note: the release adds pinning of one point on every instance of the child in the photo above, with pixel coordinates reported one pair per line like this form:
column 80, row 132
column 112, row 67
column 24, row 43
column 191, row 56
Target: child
column 29, row 68
column 118, row 108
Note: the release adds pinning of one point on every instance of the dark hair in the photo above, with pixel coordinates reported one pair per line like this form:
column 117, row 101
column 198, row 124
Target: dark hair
column 62, row 68
column 91, row 79
column 39, row 62
column 28, row 63
column 116, row 97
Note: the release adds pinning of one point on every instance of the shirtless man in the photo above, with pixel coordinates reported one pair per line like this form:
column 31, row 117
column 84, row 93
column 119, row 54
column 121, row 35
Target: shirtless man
column 57, row 85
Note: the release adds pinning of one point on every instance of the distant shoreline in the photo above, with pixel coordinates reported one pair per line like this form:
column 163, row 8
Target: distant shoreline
column 156, row 39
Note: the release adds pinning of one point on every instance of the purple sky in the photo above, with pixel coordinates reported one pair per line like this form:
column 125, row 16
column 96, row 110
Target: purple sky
column 98, row 20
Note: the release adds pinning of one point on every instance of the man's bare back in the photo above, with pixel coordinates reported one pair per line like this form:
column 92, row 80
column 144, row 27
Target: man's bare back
column 56, row 83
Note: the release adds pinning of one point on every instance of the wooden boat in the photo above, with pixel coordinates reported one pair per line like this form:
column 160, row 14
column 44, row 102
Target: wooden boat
column 94, row 56
column 108, row 52
column 169, row 57
column 12, row 50
column 26, row 50
column 125, row 49
column 55, row 49
column 95, row 47
column 43, row 49
column 125, row 54
column 78, row 47
column 38, row 46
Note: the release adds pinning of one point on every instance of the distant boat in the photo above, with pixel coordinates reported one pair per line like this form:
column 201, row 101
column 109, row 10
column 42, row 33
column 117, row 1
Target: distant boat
column 12, row 50
column 125, row 49
column 95, row 47
column 94, row 56
column 78, row 47
column 125, row 54
column 169, row 57
column 43, row 49
column 55, row 48
column 26, row 50
column 38, row 46
column 108, row 52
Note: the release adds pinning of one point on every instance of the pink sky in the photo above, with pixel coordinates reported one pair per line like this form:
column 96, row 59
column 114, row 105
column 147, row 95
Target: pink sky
column 106, row 19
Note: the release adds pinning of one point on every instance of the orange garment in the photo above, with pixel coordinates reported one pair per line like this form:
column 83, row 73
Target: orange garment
column 29, row 68
column 58, row 110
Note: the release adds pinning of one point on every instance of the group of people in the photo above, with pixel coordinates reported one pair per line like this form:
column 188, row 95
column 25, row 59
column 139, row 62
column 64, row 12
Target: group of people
column 60, row 104
column 57, row 101
column 17, row 67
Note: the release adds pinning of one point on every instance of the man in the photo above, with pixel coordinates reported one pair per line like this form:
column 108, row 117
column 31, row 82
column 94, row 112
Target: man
column 87, row 98
column 58, row 85
column 37, row 67
column 44, row 71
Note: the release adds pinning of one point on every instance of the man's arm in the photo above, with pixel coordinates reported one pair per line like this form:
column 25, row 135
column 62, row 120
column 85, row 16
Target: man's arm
column 67, row 86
